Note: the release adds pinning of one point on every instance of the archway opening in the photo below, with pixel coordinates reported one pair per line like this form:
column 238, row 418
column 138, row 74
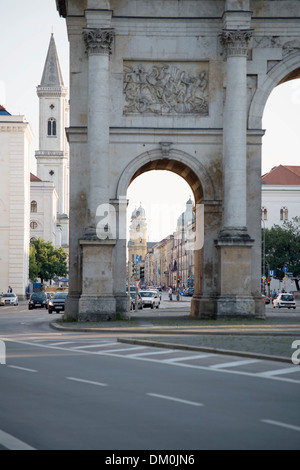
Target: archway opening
column 161, row 220
column 280, row 181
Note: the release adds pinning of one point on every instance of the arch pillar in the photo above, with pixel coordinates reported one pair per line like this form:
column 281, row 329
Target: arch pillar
column 234, row 243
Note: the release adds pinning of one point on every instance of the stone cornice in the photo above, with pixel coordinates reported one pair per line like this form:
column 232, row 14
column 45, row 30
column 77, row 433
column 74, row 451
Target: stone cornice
column 99, row 40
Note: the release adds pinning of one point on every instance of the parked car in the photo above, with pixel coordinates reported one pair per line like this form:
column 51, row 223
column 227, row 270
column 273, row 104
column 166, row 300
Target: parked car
column 9, row 299
column 150, row 298
column 189, row 292
column 284, row 301
column 132, row 301
column 266, row 299
column 37, row 300
column 57, row 303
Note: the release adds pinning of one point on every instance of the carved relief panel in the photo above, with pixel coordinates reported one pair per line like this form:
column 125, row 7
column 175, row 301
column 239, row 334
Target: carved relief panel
column 170, row 88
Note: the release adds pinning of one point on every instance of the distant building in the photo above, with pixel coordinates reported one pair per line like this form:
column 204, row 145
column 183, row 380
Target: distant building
column 43, row 211
column 15, row 139
column 280, row 195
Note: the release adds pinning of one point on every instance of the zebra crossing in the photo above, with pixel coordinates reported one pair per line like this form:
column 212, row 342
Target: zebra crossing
column 221, row 363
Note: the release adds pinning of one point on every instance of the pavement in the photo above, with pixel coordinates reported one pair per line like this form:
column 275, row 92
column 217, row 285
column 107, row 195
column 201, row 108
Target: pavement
column 271, row 338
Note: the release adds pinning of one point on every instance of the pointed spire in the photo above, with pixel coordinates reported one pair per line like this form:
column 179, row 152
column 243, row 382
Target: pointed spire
column 52, row 75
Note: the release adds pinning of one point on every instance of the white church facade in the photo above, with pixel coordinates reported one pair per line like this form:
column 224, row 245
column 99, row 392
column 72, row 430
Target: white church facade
column 34, row 206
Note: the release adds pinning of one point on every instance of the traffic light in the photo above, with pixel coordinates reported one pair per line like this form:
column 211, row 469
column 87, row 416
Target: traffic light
column 178, row 278
column 142, row 273
column 269, row 282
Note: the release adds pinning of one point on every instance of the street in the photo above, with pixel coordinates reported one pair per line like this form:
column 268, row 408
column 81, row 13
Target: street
column 74, row 390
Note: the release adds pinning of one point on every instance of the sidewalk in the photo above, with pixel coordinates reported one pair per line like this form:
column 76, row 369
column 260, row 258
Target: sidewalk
column 271, row 338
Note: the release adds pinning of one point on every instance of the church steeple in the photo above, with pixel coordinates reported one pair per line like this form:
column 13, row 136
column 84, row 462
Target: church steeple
column 52, row 75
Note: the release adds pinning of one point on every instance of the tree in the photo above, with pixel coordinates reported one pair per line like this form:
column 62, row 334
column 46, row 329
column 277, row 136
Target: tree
column 46, row 261
column 282, row 247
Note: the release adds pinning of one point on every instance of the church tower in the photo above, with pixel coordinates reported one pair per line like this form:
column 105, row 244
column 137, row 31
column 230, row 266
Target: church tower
column 137, row 245
column 53, row 154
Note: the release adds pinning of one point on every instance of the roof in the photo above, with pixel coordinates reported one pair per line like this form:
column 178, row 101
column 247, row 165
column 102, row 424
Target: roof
column 34, row 178
column 52, row 75
column 282, row 175
column 3, row 111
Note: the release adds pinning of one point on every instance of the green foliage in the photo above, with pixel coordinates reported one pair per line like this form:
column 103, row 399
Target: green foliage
column 46, row 261
column 283, row 247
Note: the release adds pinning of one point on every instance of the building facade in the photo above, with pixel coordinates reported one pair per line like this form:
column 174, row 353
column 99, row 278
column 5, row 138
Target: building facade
column 15, row 139
column 280, row 195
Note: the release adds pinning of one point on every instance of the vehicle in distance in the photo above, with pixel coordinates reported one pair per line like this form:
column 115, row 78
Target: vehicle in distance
column 150, row 298
column 9, row 299
column 57, row 303
column 284, row 301
column 266, row 299
column 132, row 301
column 37, row 300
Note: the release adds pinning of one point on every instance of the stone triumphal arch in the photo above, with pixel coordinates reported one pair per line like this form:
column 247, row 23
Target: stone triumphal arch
column 178, row 85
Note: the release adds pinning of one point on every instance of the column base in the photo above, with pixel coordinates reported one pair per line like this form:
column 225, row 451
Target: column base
column 97, row 308
column 231, row 306
column 203, row 307
column 71, row 307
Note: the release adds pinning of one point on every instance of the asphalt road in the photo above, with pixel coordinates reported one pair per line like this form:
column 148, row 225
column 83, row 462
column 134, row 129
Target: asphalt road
column 68, row 390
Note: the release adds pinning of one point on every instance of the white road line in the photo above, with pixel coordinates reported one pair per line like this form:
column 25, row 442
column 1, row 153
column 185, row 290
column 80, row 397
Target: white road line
column 74, row 379
column 22, row 368
column 11, row 443
column 187, row 358
column 286, row 370
column 123, row 349
column 95, row 346
column 234, row 364
column 179, row 400
column 283, row 425
column 158, row 361
column 152, row 353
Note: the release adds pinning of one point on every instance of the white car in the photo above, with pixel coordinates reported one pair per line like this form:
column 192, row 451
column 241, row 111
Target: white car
column 284, row 301
column 150, row 298
column 9, row 299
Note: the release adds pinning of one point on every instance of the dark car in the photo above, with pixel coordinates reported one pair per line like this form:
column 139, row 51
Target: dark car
column 57, row 303
column 37, row 300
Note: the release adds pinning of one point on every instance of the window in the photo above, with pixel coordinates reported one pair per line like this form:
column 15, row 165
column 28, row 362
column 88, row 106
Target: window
column 33, row 206
column 284, row 213
column 264, row 213
column 52, row 127
column 33, row 225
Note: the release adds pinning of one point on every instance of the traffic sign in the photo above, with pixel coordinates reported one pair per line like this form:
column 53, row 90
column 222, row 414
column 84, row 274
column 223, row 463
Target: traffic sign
column 272, row 273
column 285, row 269
column 137, row 259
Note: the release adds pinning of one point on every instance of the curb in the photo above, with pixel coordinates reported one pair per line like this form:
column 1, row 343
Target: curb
column 154, row 343
column 200, row 349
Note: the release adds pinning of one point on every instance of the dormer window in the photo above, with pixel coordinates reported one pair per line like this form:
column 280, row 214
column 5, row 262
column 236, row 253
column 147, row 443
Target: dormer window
column 52, row 127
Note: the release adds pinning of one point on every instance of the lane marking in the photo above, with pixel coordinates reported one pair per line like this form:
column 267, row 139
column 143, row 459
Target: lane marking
column 149, row 353
column 234, row 364
column 90, row 382
column 95, row 346
column 283, row 425
column 286, row 370
column 187, row 358
column 123, row 349
column 179, row 400
column 12, row 443
column 157, row 361
column 22, row 368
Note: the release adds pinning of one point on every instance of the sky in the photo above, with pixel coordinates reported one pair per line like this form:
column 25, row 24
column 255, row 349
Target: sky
column 26, row 27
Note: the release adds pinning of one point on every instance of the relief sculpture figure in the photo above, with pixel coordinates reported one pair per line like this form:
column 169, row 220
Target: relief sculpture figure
column 164, row 89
